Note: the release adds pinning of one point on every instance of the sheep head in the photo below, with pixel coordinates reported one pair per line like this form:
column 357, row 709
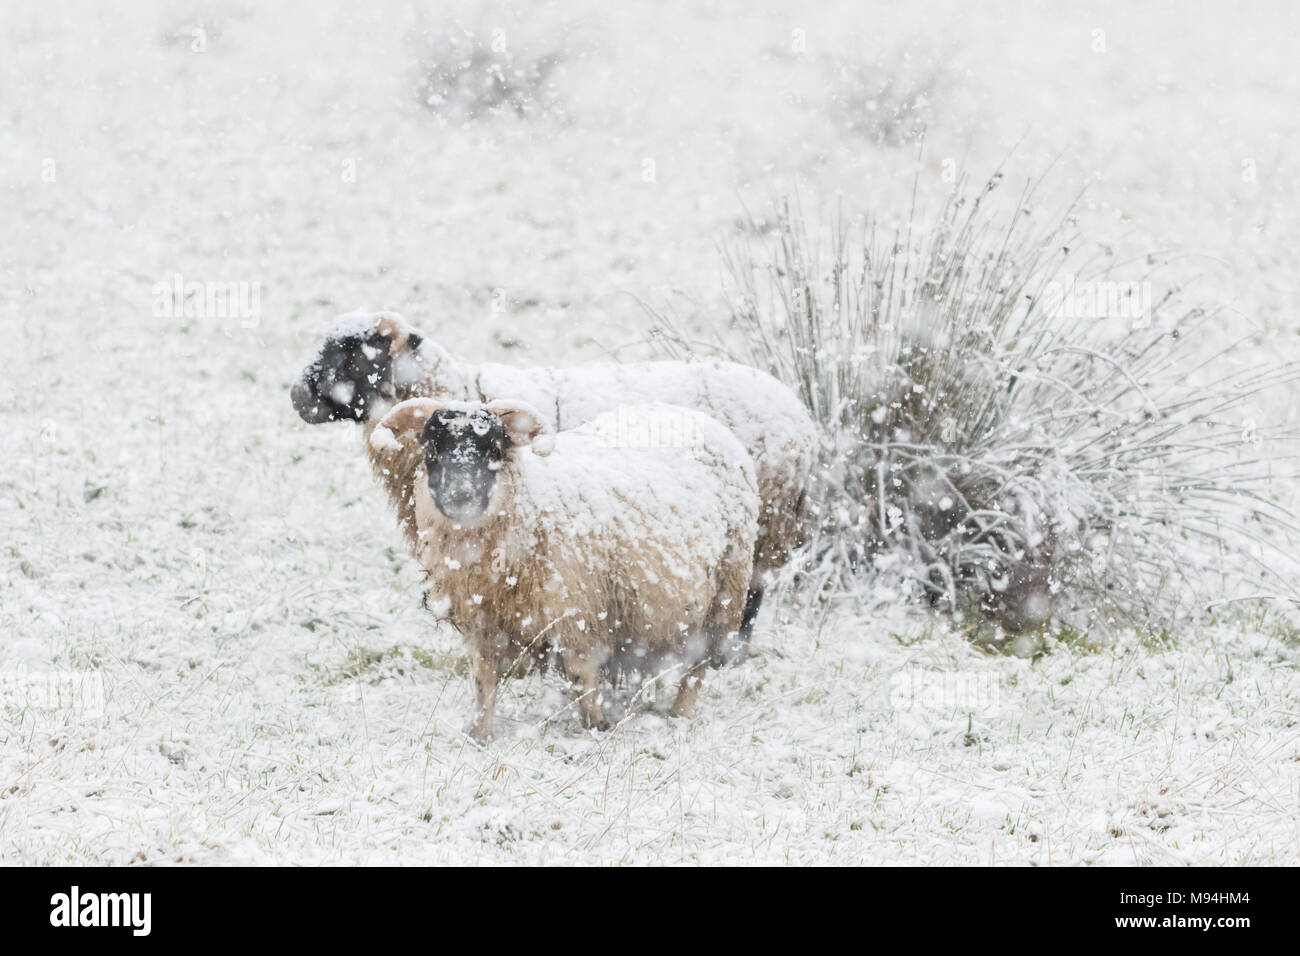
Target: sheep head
column 357, row 368
column 465, row 445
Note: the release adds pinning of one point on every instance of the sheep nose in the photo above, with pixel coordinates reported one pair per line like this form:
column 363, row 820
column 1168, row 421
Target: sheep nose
column 309, row 408
column 460, row 493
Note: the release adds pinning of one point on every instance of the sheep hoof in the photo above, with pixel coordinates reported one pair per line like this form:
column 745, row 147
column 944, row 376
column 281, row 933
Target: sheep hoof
column 734, row 653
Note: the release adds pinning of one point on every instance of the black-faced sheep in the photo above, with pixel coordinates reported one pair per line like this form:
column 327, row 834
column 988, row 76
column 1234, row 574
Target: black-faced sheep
column 610, row 555
column 374, row 359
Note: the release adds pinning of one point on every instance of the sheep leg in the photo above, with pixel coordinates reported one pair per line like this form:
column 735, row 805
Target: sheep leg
column 753, row 600
column 731, row 645
column 689, row 690
column 584, row 674
column 484, row 665
column 735, row 653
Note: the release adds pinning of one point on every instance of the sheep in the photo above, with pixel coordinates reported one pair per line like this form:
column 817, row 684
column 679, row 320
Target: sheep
column 375, row 359
column 610, row 555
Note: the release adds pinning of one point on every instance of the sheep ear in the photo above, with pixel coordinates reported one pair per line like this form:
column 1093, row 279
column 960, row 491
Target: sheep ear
column 405, row 419
column 524, row 425
column 400, row 335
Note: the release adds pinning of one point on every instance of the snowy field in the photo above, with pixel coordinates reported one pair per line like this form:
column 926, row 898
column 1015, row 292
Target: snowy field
column 221, row 598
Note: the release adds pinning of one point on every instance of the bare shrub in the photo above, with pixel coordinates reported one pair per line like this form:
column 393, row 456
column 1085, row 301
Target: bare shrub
column 464, row 79
column 990, row 446
column 887, row 105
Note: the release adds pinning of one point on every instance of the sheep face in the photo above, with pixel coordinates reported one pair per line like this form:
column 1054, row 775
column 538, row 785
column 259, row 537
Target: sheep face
column 465, row 445
column 351, row 374
column 463, row 452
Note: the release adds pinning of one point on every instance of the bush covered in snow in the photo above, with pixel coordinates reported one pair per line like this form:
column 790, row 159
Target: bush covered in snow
column 467, row 77
column 1006, row 427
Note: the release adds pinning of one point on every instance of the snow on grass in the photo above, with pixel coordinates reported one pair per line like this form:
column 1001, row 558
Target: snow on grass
column 862, row 745
column 266, row 687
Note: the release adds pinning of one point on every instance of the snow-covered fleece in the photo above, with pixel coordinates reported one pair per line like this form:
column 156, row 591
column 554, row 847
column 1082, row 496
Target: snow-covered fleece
column 764, row 414
column 611, row 555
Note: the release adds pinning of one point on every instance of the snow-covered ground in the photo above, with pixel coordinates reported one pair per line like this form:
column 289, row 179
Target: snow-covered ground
column 257, row 682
